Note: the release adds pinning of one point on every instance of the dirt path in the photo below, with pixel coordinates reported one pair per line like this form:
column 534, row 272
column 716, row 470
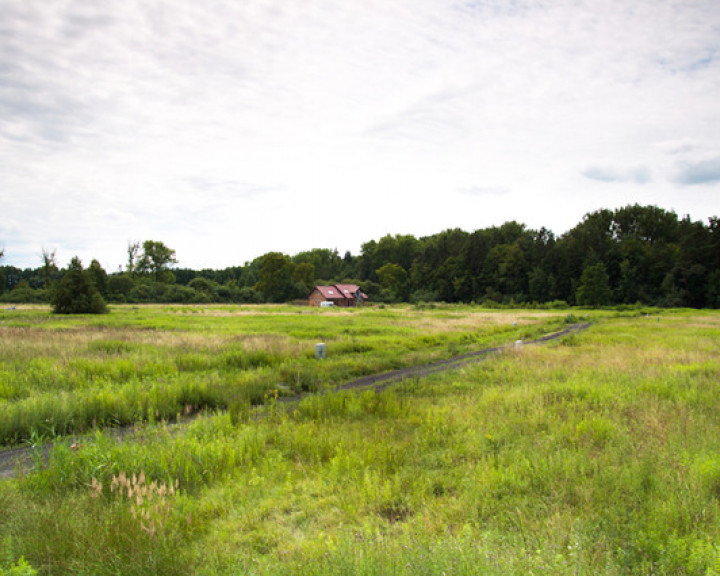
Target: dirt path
column 27, row 456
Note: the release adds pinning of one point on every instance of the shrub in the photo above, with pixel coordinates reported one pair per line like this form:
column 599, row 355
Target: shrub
column 21, row 568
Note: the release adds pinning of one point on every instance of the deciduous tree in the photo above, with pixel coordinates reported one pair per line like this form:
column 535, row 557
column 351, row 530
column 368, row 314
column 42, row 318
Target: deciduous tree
column 275, row 277
column 133, row 251
column 594, row 289
column 393, row 278
column 49, row 267
column 156, row 260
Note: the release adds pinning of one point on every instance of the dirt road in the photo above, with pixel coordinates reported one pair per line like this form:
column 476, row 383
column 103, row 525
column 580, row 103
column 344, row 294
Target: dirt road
column 26, row 457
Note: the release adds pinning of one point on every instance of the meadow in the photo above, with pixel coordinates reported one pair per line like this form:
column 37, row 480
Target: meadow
column 595, row 454
column 61, row 375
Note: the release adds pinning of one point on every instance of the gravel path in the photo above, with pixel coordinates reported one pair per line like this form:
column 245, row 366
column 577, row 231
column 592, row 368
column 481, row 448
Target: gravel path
column 26, row 457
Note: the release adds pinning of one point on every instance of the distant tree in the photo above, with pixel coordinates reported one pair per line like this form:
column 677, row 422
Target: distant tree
column 713, row 290
column 248, row 295
column 539, row 285
column 133, row 251
column 303, row 277
column 204, row 286
column 119, row 286
column 275, row 277
column 99, row 277
column 156, row 260
column 325, row 263
column 349, row 265
column 506, row 270
column 671, row 296
column 594, row 288
column 76, row 293
column 50, row 268
column 393, row 280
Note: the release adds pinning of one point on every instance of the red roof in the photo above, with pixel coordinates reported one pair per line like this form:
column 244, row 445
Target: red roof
column 340, row 291
column 329, row 292
column 349, row 290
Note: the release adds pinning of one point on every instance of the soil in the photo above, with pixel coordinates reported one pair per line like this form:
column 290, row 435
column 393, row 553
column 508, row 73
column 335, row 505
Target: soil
column 24, row 458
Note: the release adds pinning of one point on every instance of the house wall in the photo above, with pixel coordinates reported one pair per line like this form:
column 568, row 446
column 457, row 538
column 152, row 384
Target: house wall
column 315, row 298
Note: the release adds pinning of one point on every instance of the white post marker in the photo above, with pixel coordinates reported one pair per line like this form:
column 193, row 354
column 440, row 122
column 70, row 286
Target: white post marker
column 319, row 351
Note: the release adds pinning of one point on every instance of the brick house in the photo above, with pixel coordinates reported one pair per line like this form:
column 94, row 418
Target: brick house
column 343, row 295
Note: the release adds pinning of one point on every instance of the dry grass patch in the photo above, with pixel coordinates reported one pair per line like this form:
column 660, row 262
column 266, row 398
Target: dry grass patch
column 460, row 321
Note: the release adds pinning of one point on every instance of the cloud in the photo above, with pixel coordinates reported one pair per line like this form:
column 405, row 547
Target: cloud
column 238, row 121
column 679, row 147
column 480, row 191
column 703, row 172
column 230, row 188
column 635, row 174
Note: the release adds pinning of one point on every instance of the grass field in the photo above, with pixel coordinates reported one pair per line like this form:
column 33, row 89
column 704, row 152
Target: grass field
column 598, row 454
column 62, row 375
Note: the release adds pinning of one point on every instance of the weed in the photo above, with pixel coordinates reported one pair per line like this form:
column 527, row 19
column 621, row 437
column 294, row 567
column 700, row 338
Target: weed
column 149, row 501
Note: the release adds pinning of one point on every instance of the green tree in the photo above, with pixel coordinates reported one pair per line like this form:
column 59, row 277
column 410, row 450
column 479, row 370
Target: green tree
column 205, row 287
column 506, row 270
column 713, row 289
column 594, row 288
column 393, row 279
column 304, row 277
column 156, row 260
column 50, row 268
column 76, row 293
column 133, row 251
column 671, row 296
column 99, row 277
column 275, row 277
column 539, row 285
column 326, row 264
column 119, row 286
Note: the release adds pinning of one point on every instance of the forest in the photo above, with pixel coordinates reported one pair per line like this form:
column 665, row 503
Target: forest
column 635, row 254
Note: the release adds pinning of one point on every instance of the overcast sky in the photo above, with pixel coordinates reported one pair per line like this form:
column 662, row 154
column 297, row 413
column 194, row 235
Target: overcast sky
column 232, row 128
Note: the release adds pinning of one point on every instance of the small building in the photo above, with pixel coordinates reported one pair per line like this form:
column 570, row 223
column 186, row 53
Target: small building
column 342, row 295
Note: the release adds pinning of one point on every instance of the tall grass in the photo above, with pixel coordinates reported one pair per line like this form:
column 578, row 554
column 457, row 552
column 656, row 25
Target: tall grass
column 595, row 455
column 66, row 376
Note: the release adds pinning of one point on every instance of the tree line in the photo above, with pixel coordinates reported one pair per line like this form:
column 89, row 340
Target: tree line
column 634, row 254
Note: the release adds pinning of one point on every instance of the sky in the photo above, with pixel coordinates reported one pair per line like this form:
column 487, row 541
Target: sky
column 228, row 129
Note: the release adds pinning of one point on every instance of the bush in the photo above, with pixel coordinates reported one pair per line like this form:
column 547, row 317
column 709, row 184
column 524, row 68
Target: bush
column 26, row 295
column 21, row 568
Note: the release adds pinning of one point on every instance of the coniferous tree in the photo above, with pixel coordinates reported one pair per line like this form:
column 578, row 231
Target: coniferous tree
column 76, row 292
column 99, row 277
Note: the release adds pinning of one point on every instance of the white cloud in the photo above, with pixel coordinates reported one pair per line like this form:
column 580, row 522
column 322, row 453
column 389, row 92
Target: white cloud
column 636, row 174
column 237, row 128
column 483, row 191
column 703, row 172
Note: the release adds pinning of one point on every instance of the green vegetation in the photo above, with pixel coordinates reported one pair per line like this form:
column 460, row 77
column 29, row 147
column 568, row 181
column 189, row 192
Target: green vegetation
column 594, row 289
column 635, row 254
column 64, row 376
column 77, row 292
column 597, row 454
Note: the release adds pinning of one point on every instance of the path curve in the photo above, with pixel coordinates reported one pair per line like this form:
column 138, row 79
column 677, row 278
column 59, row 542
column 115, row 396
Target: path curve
column 25, row 457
